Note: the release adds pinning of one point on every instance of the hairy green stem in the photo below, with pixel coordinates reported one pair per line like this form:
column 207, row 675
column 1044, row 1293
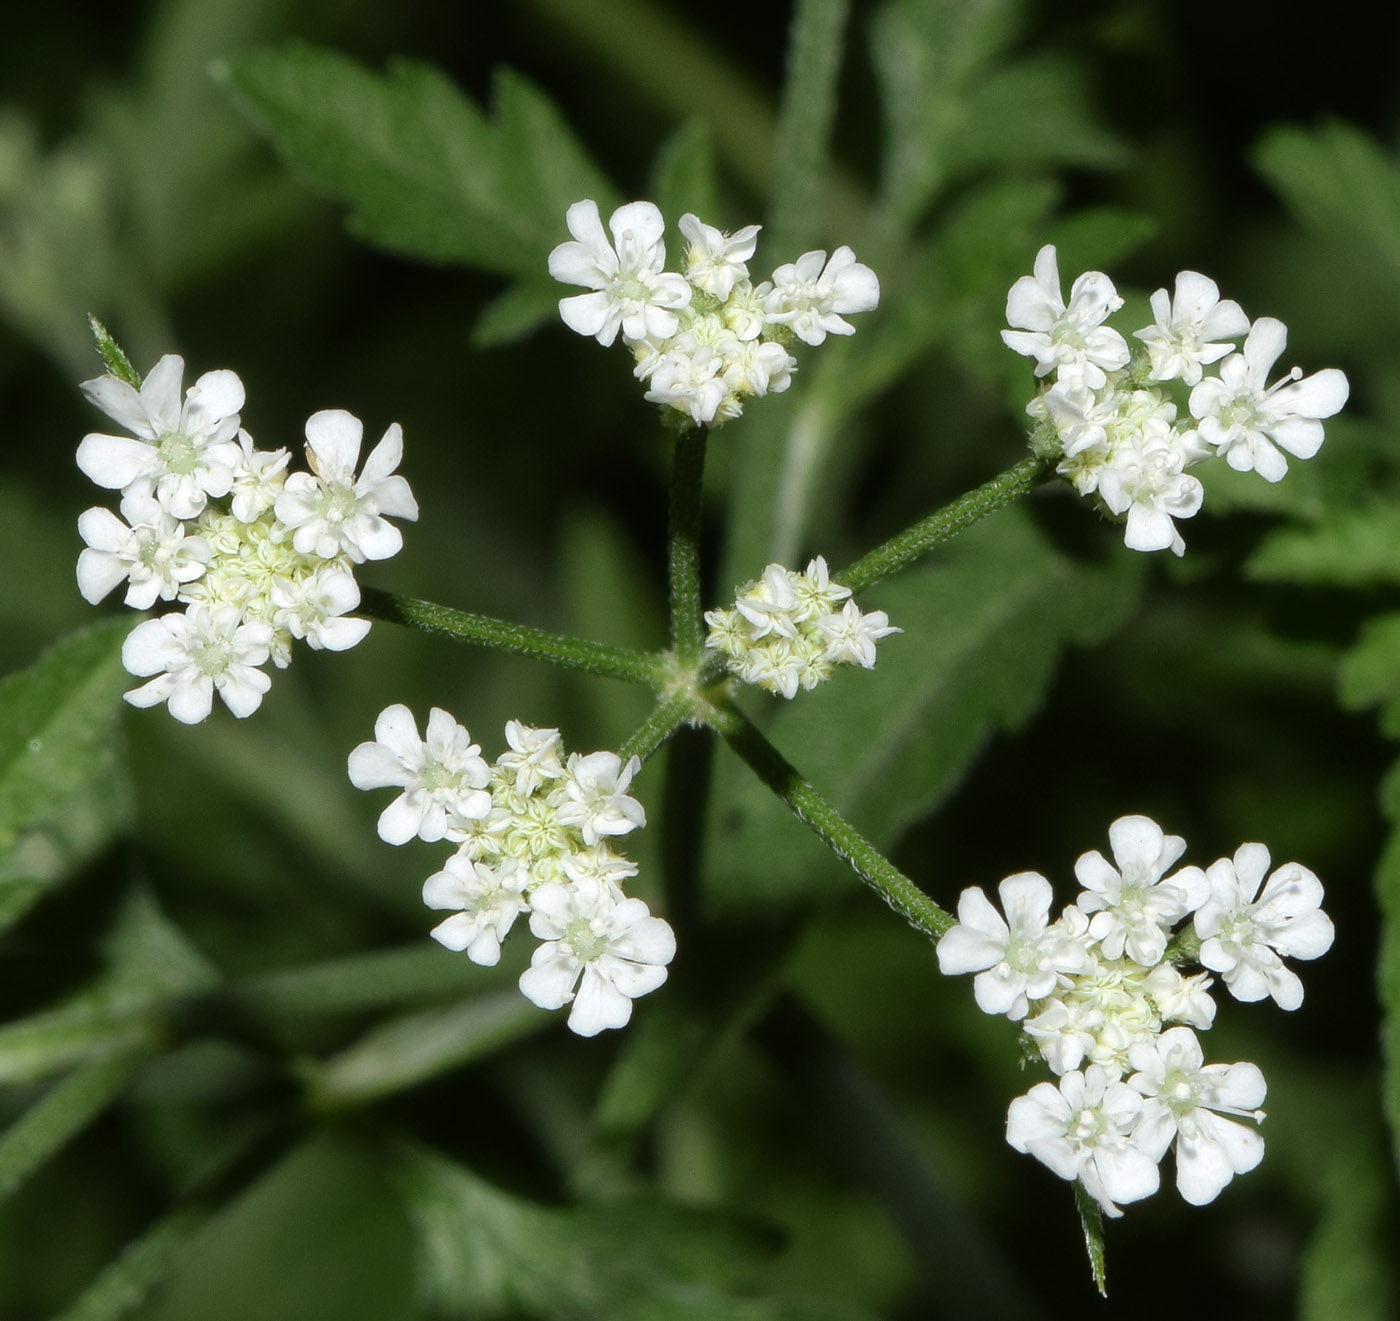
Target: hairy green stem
column 624, row 663
column 666, row 717
column 687, row 492
column 945, row 524
column 893, row 886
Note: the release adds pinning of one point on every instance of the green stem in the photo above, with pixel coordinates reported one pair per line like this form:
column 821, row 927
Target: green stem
column 945, row 524
column 573, row 653
column 666, row 717
column 687, row 491
column 893, row 886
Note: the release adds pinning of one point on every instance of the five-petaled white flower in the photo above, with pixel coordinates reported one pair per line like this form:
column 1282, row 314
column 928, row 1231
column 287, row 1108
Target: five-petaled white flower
column 329, row 509
column 195, row 654
column 186, row 452
column 597, row 800
column 485, row 901
column 443, row 776
column 1187, row 1100
column 811, row 294
column 1244, row 930
column 1018, row 958
column 631, row 291
column 1069, row 339
column 153, row 552
column 599, row 952
column 1083, row 1129
column 1192, row 329
column 715, row 261
column 1132, row 906
column 1250, row 422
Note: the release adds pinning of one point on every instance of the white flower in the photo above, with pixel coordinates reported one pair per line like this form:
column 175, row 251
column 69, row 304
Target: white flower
column 691, row 382
column 714, row 261
column 486, row 901
column 811, row 294
column 1188, row 328
column 258, row 477
column 1019, row 958
column 597, row 802
column 329, row 510
column 599, row 952
column 533, row 757
column 1070, row 340
column 757, row 367
column 1065, row 1031
column 1133, row 908
column 1250, row 422
column 632, row 292
column 443, row 777
column 1186, row 1100
column 851, row 635
column 195, row 654
column 770, row 604
column 186, row 452
column 1082, row 1130
column 313, row 607
column 1149, row 484
column 1243, row 931
column 1181, row 999
column 155, row 555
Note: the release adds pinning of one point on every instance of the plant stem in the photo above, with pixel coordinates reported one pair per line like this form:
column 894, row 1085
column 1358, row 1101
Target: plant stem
column 893, row 886
column 638, row 667
column 687, row 490
column 666, row 717
column 945, row 524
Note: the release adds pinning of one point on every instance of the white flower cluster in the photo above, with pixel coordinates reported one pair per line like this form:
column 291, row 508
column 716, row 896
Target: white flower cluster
column 533, row 836
column 1110, row 414
column 1100, row 999
column 706, row 340
column 256, row 555
column 785, row 631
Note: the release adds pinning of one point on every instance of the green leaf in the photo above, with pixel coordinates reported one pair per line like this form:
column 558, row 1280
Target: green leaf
column 1341, row 184
column 125, row 1283
column 1369, row 673
column 1351, row 547
column 423, row 170
column 52, row 1122
column 63, row 788
column 985, row 626
column 113, row 358
column 683, row 178
column 1347, row 1270
column 484, row 1253
column 1092, row 1221
column 1388, row 979
column 815, row 49
column 415, row 1047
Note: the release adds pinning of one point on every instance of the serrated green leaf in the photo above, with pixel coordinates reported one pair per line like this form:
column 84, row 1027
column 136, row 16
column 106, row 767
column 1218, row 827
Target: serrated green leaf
column 1091, row 1220
column 63, row 788
column 484, row 1253
column 112, row 354
column 984, row 630
column 1340, row 183
column 1351, row 547
column 423, row 170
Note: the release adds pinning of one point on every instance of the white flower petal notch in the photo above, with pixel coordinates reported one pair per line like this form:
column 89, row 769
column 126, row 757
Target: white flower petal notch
column 706, row 341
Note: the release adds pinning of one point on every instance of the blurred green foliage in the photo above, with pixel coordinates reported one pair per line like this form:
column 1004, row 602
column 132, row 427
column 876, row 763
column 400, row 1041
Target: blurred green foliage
column 228, row 1041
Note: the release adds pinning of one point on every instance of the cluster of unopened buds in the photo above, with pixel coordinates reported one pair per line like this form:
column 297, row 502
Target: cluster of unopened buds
column 534, row 836
column 788, row 630
column 257, row 556
column 1118, row 427
column 1101, row 1000
column 708, row 339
